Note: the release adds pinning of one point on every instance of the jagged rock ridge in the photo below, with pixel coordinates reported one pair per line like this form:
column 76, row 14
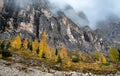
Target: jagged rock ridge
column 34, row 17
column 109, row 29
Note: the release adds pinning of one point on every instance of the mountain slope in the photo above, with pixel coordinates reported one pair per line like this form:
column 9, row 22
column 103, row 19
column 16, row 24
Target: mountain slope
column 111, row 30
column 31, row 18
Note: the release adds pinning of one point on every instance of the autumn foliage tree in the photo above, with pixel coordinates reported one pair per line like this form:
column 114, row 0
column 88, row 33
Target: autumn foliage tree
column 25, row 44
column 114, row 55
column 35, row 46
column 97, row 56
column 16, row 42
column 100, row 57
column 103, row 59
column 63, row 52
column 44, row 47
column 64, row 56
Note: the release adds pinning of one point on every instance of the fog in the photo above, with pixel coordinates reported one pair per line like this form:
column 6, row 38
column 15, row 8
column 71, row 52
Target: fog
column 95, row 10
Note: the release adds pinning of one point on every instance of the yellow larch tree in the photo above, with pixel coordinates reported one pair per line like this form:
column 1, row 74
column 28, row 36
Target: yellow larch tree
column 63, row 52
column 35, row 46
column 16, row 42
column 64, row 56
column 103, row 59
column 53, row 54
column 0, row 56
column 25, row 44
column 68, row 62
column 114, row 55
column 97, row 56
column 44, row 47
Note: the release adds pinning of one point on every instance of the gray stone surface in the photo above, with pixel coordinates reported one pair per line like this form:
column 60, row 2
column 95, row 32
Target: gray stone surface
column 31, row 20
column 17, row 69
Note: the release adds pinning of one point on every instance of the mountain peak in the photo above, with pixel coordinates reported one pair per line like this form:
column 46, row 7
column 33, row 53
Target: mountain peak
column 63, row 28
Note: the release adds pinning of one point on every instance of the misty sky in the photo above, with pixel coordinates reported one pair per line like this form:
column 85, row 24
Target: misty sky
column 94, row 9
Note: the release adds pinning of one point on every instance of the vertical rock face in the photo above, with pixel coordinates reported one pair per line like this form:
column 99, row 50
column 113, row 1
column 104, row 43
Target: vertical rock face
column 30, row 18
column 1, row 5
column 110, row 30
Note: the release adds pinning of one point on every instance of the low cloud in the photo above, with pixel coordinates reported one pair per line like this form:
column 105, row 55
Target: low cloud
column 95, row 10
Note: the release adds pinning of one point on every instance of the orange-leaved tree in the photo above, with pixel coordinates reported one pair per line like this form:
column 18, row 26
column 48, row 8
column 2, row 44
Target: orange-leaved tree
column 44, row 47
column 63, row 52
column 16, row 42
column 64, row 56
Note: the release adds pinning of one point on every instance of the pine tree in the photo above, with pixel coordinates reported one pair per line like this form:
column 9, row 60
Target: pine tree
column 114, row 55
column 56, row 52
column 30, row 46
column 2, row 46
column 59, row 60
column 16, row 42
column 43, row 55
column 44, row 47
column 119, row 54
column 37, row 51
column 8, row 45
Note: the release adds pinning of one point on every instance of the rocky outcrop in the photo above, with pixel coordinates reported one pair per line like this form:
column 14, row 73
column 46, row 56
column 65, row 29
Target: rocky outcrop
column 110, row 30
column 17, row 69
column 31, row 18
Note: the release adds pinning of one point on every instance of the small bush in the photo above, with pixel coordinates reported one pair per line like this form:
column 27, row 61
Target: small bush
column 75, row 59
column 6, row 54
column 30, row 46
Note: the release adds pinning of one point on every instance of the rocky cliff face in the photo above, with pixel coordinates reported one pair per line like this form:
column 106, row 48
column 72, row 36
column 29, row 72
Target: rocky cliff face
column 31, row 18
column 110, row 30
